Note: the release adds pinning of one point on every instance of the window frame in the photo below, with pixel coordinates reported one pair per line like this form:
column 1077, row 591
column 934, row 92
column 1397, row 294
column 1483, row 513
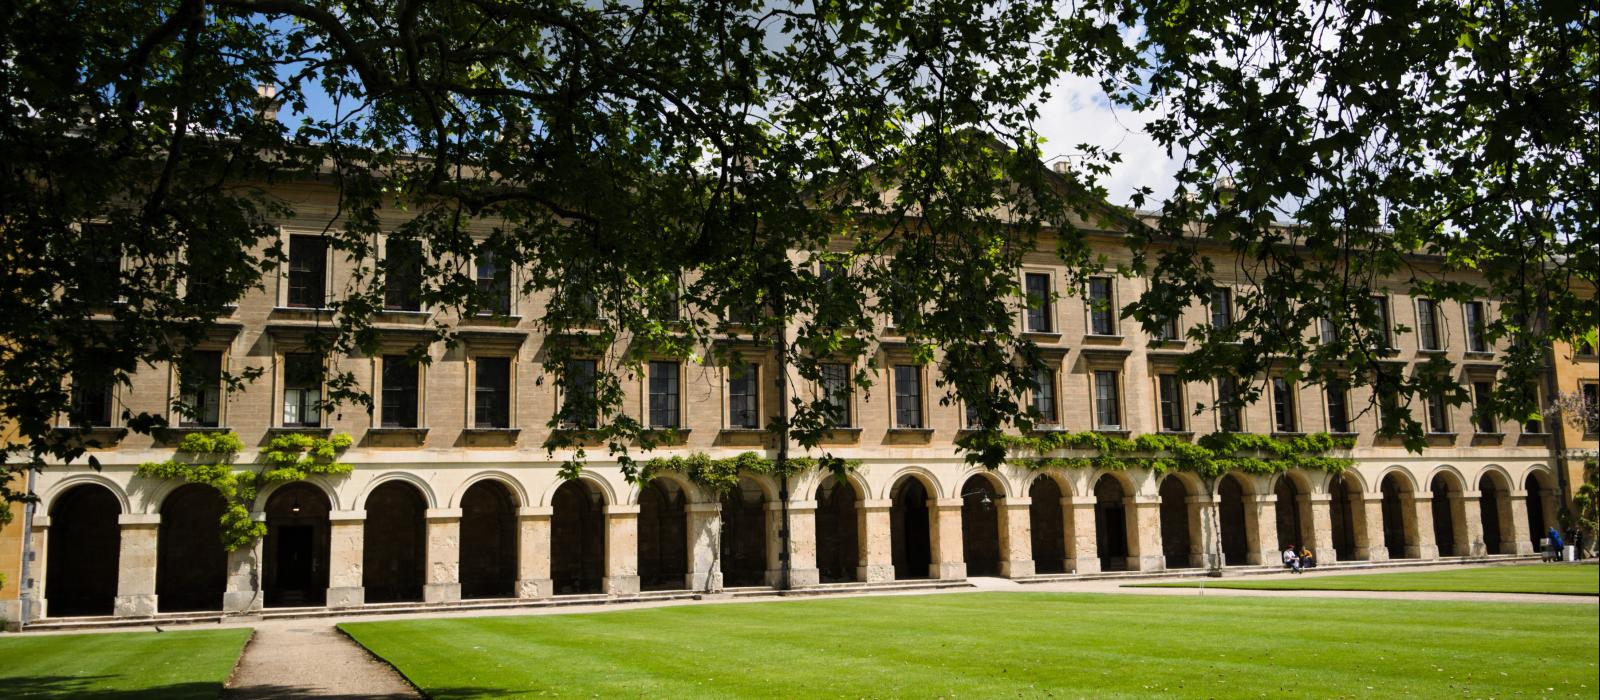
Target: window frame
column 388, row 288
column 1385, row 310
column 1340, row 388
column 563, row 395
column 1438, row 414
column 1092, row 315
column 751, row 373
column 1480, row 418
column 502, row 301
column 107, row 394
column 1047, row 395
column 897, row 409
column 1285, row 405
column 475, row 391
column 847, row 405
column 1045, row 309
column 1222, row 411
column 284, row 389
column 381, row 369
column 1430, row 334
column 180, row 385
column 1178, row 414
column 1477, row 334
column 676, row 404
column 325, row 268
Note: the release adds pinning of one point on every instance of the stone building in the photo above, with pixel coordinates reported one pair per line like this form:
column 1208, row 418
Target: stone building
column 453, row 496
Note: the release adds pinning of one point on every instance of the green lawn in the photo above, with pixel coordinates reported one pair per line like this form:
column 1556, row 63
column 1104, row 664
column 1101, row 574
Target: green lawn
column 121, row 665
column 986, row 645
column 1563, row 579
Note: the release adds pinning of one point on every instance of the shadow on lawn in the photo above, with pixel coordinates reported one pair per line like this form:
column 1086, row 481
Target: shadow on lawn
column 261, row 692
column 82, row 687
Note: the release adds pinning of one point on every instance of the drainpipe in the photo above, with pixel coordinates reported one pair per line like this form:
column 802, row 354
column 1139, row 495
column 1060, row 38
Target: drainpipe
column 25, row 600
column 780, row 348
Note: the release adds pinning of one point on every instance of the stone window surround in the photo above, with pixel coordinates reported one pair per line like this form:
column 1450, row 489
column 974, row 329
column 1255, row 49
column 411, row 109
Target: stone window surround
column 1051, row 308
column 377, row 391
column 644, row 392
column 286, row 235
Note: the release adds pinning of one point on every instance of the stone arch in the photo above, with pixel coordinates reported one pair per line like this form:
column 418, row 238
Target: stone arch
column 1181, row 536
column 997, row 481
column 488, row 551
column 744, row 534
column 296, row 546
column 1293, row 511
column 1048, row 524
column 980, row 523
column 911, row 497
column 329, row 494
column 663, row 549
column 191, row 565
column 424, row 489
column 83, row 548
column 1541, row 502
column 513, row 487
column 1398, row 494
column 930, row 483
column 577, row 536
column 395, row 541
column 1494, row 511
column 838, row 524
column 1233, row 518
column 601, row 487
column 1447, row 505
column 1112, row 497
column 1347, row 517
column 48, row 500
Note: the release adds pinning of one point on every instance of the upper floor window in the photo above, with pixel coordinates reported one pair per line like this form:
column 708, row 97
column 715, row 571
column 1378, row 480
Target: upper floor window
column 491, row 392
column 1428, row 330
column 1283, row 406
column 744, row 397
column 1102, row 307
column 664, row 394
column 1582, row 347
column 1040, row 313
column 1387, row 386
column 91, row 400
column 1591, row 407
column 1221, row 307
column 1477, row 327
column 1438, row 413
column 1167, row 328
column 494, row 284
column 578, row 403
column 836, row 390
column 308, row 267
column 1044, row 396
column 1170, row 395
column 200, row 389
column 1484, row 419
column 1534, row 426
column 1385, row 338
column 1228, row 417
column 1338, row 407
column 907, row 396
column 302, row 390
column 100, row 264
column 401, row 380
column 1107, row 401
column 402, row 276
column 1325, row 331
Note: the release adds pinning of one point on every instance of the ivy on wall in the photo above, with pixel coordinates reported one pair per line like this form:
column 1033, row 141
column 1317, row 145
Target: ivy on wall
column 208, row 458
column 1212, row 455
column 722, row 475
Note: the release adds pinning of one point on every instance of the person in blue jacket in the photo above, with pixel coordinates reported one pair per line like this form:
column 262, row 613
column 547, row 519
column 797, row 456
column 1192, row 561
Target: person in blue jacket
column 1555, row 541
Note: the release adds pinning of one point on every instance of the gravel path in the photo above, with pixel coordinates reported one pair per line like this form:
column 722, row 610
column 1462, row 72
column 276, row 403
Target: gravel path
column 311, row 659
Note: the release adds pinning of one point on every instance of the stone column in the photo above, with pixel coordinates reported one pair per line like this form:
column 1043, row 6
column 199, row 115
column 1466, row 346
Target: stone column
column 622, row 550
column 346, row 545
column 1377, row 546
column 1261, row 528
column 41, row 561
column 705, row 527
column 1521, row 539
column 1321, row 540
column 772, row 530
column 533, row 552
column 949, row 561
column 1144, row 526
column 1085, row 543
column 1016, row 537
column 875, row 540
column 136, row 565
column 444, row 556
column 1421, row 523
column 243, row 592
column 802, row 543
column 1472, row 531
column 1202, row 523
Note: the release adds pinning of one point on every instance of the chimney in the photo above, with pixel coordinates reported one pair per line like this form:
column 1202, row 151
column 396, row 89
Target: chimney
column 267, row 105
column 1059, row 166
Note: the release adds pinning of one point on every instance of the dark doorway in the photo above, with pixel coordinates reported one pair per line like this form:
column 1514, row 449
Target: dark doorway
column 838, row 547
column 1048, row 527
column 1396, row 498
column 488, row 541
column 1343, row 499
column 1111, row 524
column 980, row 527
column 85, row 544
column 191, row 565
column 1230, row 511
column 744, row 535
column 395, row 544
column 1176, row 545
column 577, row 538
column 296, row 546
column 663, row 537
column 908, row 529
column 1537, row 530
column 1445, row 526
column 1291, row 526
column 1491, row 507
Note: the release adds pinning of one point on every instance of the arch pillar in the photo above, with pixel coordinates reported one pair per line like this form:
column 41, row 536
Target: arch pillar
column 1261, row 528
column 243, row 593
column 1521, row 539
column 1016, row 537
column 136, row 565
column 41, row 555
column 533, row 552
column 1085, row 540
column 1472, row 515
column 443, row 583
column 1204, row 519
column 1377, row 546
column 875, row 541
column 1552, row 507
column 949, row 560
column 1321, row 540
column 704, row 527
column 1422, row 514
column 346, row 549
column 802, row 543
column 622, row 550
column 1144, row 527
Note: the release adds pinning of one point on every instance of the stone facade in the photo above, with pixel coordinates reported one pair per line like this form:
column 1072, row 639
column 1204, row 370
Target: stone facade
column 917, row 509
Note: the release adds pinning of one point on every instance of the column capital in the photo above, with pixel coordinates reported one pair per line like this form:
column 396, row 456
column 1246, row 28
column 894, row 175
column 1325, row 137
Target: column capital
column 536, row 511
column 1015, row 502
column 443, row 513
column 622, row 510
column 712, row 507
column 137, row 519
column 1200, row 500
column 945, row 503
column 346, row 516
column 876, row 504
column 1146, row 500
column 41, row 522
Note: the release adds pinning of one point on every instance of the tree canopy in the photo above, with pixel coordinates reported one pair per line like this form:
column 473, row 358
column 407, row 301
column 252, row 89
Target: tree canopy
column 794, row 171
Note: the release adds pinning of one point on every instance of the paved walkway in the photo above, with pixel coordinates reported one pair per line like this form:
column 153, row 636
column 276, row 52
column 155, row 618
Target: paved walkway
column 311, row 659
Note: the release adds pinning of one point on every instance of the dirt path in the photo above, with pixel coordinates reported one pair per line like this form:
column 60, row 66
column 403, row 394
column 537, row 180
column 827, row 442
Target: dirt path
column 311, row 659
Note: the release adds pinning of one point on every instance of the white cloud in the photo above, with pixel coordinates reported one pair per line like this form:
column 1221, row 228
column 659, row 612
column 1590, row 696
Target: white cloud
column 1078, row 113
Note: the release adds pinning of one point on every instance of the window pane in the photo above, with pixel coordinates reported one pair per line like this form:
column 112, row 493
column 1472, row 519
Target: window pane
column 908, row 396
column 1108, row 414
column 1039, row 311
column 302, row 389
column 402, row 284
column 200, row 381
column 664, row 395
column 1325, row 331
column 1044, row 395
column 836, row 388
column 399, row 392
column 744, row 397
column 1477, row 340
column 491, row 399
column 1338, row 409
column 1221, row 308
column 308, row 259
column 1385, row 327
column 1228, row 414
column 578, row 409
column 1101, row 318
column 100, row 265
column 494, row 284
column 1428, row 324
column 1486, row 420
column 1438, row 416
column 1283, row 405
column 91, row 400
column 1171, row 402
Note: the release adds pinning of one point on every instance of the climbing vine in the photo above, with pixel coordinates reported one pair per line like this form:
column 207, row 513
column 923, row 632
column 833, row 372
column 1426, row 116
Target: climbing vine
column 208, row 458
column 1212, row 455
column 722, row 475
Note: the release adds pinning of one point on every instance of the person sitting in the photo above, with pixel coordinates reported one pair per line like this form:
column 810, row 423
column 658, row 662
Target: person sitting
column 1307, row 558
column 1291, row 560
